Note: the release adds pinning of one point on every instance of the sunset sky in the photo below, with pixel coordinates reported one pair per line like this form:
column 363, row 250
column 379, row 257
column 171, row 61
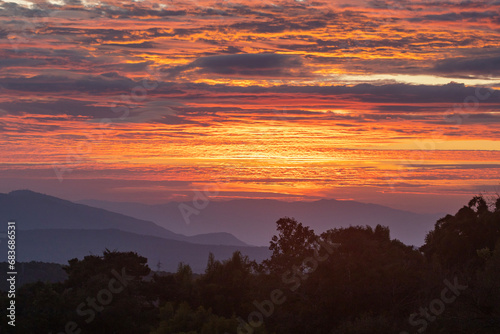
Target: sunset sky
column 388, row 102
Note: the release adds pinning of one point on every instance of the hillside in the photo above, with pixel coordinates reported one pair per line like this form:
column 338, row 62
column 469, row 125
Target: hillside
column 33, row 210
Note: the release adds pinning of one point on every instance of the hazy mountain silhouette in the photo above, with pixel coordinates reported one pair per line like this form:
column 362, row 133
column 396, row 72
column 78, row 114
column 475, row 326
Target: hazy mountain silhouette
column 253, row 220
column 33, row 210
column 61, row 245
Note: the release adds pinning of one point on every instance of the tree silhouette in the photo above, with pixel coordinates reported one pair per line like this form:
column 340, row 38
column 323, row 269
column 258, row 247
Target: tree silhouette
column 456, row 239
column 291, row 246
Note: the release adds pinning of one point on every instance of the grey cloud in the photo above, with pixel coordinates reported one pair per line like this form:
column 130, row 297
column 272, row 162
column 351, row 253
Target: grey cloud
column 486, row 66
column 453, row 17
column 21, row 62
column 263, row 64
column 58, row 107
column 251, row 64
column 394, row 93
column 231, row 64
column 126, row 67
column 143, row 45
column 53, row 83
column 130, row 10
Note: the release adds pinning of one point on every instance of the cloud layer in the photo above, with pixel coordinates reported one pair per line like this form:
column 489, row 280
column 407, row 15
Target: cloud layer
column 284, row 98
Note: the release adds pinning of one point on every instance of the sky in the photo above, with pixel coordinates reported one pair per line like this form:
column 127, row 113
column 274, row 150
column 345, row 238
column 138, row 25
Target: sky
column 388, row 102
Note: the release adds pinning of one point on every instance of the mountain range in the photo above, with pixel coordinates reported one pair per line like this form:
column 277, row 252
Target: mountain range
column 38, row 211
column 51, row 229
column 253, row 220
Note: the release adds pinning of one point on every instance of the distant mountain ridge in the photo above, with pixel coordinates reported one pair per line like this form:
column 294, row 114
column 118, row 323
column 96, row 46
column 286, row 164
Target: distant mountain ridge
column 35, row 211
column 253, row 220
column 61, row 245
